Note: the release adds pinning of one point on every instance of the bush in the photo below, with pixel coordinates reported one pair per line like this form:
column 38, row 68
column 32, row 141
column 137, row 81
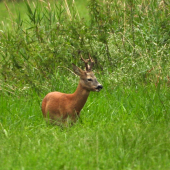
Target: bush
column 129, row 41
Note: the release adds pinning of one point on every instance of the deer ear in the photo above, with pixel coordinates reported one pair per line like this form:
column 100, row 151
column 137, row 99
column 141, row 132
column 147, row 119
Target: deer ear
column 77, row 70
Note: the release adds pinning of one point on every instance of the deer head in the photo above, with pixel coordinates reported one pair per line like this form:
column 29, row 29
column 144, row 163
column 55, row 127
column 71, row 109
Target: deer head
column 87, row 77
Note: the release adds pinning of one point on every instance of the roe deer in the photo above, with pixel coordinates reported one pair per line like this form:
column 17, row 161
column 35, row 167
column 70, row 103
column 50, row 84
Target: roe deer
column 57, row 106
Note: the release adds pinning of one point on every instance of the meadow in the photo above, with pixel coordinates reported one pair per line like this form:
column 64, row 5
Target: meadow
column 123, row 127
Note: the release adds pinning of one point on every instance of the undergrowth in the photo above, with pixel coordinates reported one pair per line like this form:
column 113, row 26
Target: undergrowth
column 129, row 41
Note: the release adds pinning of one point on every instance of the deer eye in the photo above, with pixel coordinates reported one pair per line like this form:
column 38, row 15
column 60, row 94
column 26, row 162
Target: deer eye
column 89, row 79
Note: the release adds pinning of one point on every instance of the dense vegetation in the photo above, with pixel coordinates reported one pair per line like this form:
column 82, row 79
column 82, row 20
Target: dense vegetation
column 128, row 40
column 126, row 125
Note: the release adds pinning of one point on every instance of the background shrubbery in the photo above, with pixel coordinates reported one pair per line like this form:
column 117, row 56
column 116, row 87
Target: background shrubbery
column 129, row 40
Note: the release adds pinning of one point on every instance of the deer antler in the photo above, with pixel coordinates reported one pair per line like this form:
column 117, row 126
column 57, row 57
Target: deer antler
column 86, row 62
column 91, row 62
column 88, row 67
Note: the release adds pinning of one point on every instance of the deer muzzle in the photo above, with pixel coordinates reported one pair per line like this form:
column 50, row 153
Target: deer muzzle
column 99, row 87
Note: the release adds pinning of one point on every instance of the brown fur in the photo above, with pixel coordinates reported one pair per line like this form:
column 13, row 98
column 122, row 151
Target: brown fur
column 58, row 106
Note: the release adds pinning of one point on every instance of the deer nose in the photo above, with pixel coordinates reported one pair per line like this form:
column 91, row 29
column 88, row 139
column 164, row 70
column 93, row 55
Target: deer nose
column 99, row 87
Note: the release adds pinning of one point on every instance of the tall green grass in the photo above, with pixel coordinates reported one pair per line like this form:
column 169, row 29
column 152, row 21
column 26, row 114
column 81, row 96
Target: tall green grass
column 122, row 128
column 126, row 125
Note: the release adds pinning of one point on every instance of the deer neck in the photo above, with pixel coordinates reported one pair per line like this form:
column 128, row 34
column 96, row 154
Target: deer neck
column 80, row 97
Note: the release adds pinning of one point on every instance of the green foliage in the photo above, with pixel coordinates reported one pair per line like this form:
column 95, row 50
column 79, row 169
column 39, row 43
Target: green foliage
column 126, row 39
column 126, row 125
